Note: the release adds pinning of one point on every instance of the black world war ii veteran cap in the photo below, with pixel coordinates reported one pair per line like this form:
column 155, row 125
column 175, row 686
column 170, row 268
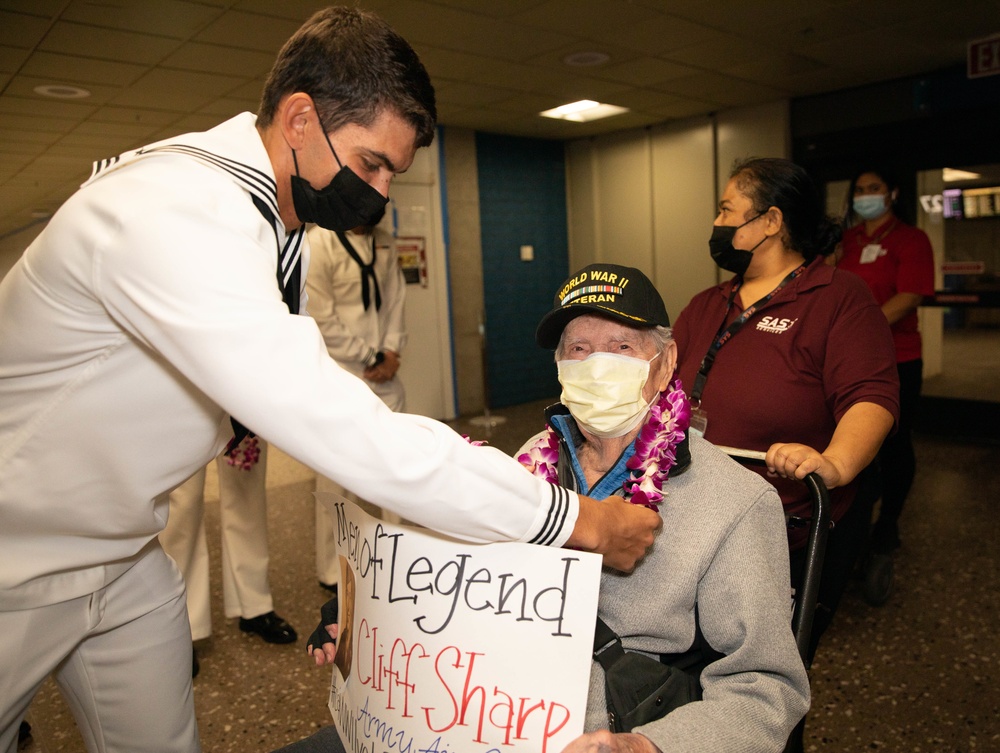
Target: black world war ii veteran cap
column 621, row 293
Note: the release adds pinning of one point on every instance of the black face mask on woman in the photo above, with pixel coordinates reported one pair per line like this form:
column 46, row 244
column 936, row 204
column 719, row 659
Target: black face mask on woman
column 347, row 201
column 720, row 245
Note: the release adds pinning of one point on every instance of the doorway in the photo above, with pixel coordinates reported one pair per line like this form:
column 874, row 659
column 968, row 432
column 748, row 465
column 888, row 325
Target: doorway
column 960, row 210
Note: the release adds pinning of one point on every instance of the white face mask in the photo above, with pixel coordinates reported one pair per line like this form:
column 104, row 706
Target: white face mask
column 604, row 392
column 871, row 206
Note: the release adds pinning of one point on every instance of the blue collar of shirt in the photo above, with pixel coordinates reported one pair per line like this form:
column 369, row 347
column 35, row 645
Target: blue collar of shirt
column 611, row 481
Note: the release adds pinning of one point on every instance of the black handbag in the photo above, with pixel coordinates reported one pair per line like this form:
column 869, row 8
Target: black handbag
column 640, row 688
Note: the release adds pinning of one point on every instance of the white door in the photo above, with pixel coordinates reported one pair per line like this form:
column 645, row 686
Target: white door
column 426, row 371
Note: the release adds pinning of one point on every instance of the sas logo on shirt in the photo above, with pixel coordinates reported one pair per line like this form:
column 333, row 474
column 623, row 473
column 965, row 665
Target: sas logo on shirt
column 775, row 325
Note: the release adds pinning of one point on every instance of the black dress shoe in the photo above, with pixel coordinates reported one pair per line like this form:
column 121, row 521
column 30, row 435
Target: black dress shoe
column 331, row 587
column 23, row 734
column 270, row 627
column 195, row 666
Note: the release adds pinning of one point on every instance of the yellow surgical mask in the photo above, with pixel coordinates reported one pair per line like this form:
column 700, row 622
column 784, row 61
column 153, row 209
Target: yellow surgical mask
column 604, row 392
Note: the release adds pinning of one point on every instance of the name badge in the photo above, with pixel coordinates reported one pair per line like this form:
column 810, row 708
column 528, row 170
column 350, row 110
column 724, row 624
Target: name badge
column 871, row 252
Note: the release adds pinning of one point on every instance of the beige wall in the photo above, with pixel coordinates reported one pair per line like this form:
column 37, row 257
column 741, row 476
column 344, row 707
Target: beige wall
column 647, row 198
column 683, row 209
column 465, row 267
column 759, row 131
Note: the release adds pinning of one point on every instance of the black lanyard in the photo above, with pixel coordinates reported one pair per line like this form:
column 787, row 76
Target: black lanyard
column 724, row 333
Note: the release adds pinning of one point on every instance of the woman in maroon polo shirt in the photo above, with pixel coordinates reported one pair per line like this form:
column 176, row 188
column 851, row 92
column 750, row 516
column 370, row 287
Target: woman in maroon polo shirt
column 792, row 357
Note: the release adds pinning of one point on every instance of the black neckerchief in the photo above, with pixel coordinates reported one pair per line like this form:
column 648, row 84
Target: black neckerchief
column 367, row 272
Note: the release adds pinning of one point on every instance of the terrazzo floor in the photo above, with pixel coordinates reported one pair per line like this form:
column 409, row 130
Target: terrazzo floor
column 917, row 675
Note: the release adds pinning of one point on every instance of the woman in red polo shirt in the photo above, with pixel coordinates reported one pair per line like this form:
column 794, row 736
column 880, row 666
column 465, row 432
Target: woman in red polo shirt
column 897, row 263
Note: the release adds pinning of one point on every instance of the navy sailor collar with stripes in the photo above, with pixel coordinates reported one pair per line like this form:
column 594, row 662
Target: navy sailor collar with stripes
column 229, row 148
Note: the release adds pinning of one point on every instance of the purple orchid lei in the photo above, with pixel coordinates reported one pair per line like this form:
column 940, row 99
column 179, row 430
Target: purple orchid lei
column 655, row 449
column 245, row 455
column 542, row 457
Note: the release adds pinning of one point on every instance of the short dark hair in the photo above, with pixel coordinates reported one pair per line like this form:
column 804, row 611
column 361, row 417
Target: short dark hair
column 774, row 182
column 354, row 66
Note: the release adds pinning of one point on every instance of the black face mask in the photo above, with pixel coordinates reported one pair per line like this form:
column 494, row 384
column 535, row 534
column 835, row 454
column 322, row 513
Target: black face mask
column 720, row 245
column 347, row 202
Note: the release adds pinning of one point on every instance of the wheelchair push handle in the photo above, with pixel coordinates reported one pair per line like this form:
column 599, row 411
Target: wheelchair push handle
column 819, row 527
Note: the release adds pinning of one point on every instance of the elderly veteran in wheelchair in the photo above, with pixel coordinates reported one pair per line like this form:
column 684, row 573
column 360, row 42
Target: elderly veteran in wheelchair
column 713, row 591
column 713, row 594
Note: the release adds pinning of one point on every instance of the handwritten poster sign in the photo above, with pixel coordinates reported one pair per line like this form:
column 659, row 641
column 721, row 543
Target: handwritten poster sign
column 450, row 647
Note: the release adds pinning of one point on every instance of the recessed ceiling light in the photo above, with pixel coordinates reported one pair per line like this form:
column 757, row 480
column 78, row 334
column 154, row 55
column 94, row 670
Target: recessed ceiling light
column 62, row 91
column 586, row 58
column 582, row 111
column 949, row 174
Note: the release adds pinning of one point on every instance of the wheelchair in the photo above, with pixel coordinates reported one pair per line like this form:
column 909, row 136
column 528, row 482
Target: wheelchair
column 804, row 610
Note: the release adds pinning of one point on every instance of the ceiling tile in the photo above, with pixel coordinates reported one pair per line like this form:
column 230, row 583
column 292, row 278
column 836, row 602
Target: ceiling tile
column 955, row 23
column 23, row 87
column 60, row 166
column 12, row 58
column 197, row 56
column 107, row 44
column 722, row 51
column 296, row 10
column 21, row 30
column 46, row 8
column 25, row 122
column 506, row 74
column 166, row 18
column 181, row 91
column 667, row 32
column 115, row 131
column 495, row 8
column 151, row 117
column 35, row 105
column 495, row 64
column 249, row 91
column 226, row 107
column 468, row 94
column 783, row 73
column 249, row 31
column 93, row 146
column 739, row 16
column 27, row 136
column 722, row 90
column 81, row 70
column 471, row 32
column 591, row 18
column 680, row 107
column 642, row 71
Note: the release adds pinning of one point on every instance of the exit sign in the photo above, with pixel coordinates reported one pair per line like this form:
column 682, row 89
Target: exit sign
column 984, row 57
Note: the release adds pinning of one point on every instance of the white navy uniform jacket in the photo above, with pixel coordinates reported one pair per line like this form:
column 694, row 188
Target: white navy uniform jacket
column 145, row 314
column 353, row 334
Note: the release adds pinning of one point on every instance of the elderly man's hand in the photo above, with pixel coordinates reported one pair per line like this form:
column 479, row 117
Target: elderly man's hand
column 622, row 532
column 322, row 645
column 605, row 741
